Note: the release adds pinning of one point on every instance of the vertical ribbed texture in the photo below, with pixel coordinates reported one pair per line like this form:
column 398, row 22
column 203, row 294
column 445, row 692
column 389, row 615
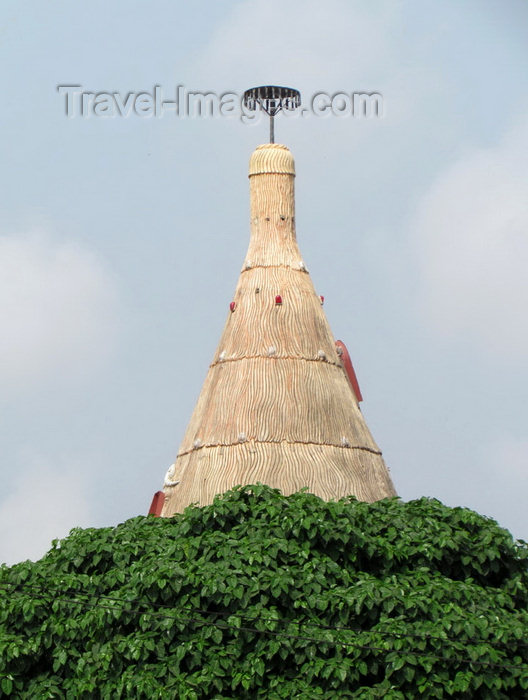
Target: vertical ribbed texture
column 276, row 406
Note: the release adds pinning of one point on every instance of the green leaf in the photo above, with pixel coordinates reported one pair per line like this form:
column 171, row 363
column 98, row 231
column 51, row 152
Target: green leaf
column 216, row 635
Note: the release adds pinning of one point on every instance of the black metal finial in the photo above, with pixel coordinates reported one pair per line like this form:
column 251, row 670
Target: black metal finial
column 272, row 98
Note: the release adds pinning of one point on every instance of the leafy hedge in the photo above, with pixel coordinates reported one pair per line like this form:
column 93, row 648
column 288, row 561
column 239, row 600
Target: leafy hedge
column 261, row 595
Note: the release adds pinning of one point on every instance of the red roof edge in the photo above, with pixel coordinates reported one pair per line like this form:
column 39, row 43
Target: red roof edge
column 157, row 503
column 349, row 369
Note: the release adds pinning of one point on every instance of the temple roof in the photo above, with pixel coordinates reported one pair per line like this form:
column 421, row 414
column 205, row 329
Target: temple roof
column 277, row 405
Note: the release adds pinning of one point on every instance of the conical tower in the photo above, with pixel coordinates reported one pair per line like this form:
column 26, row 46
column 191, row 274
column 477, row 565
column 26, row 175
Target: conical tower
column 277, row 405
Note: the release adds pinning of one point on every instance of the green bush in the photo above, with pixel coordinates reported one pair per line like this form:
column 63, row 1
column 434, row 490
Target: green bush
column 262, row 595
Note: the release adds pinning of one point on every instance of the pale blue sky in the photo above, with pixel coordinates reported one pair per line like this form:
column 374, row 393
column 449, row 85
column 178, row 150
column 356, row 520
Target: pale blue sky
column 121, row 240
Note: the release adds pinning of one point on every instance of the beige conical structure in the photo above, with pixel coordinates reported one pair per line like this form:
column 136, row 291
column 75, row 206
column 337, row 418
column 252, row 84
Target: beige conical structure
column 277, row 406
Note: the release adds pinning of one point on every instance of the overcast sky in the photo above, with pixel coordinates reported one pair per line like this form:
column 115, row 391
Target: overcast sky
column 121, row 240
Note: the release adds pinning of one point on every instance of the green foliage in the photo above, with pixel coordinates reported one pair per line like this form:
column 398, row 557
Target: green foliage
column 262, row 595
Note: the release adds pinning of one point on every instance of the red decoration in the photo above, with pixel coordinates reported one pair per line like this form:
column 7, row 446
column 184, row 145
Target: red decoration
column 278, row 299
column 321, row 298
column 157, row 503
column 349, row 369
column 232, row 306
